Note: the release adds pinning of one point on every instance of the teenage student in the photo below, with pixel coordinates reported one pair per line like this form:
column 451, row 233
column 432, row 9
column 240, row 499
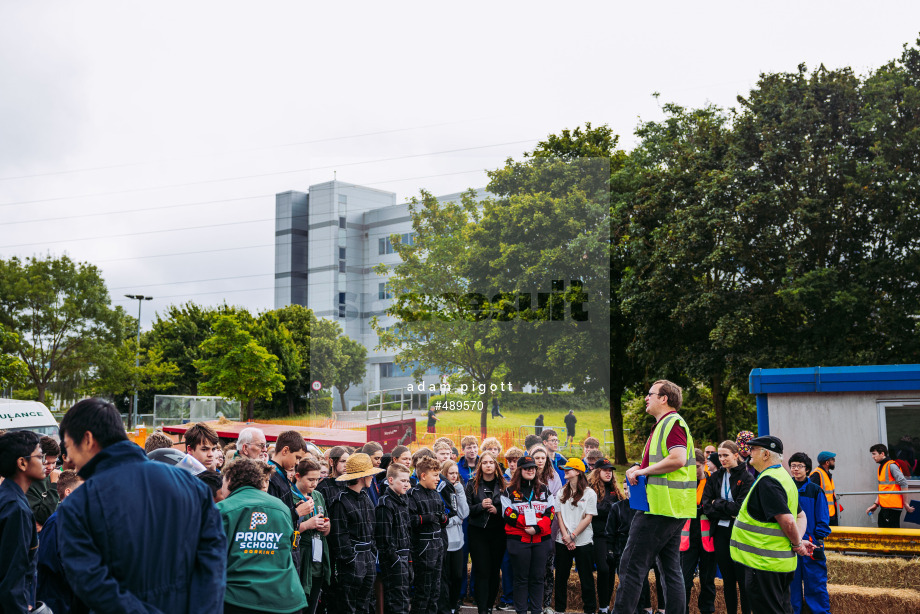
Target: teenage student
column 487, row 529
column 603, row 482
column 576, row 508
column 426, row 518
column 451, row 490
column 723, row 495
column 528, row 509
column 392, row 534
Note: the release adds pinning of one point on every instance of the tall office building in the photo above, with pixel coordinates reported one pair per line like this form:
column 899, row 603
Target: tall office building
column 327, row 241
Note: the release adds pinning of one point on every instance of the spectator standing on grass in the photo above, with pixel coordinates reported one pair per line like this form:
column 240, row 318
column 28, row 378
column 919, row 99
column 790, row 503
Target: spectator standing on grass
column 136, row 572
column 891, row 481
column 668, row 465
column 822, row 478
column 43, row 496
column 486, row 535
column 570, row 421
column 53, row 589
column 723, row 495
column 496, row 412
column 602, row 481
column 260, row 569
column 576, row 508
column 538, row 425
column 200, row 442
column 432, row 419
column 809, row 584
column 767, row 535
column 20, row 466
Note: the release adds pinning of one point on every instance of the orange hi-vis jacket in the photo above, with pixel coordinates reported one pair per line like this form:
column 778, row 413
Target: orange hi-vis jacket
column 887, row 484
column 705, row 526
column 827, row 484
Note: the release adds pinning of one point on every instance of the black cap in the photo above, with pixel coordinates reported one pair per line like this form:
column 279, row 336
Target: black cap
column 769, row 442
column 714, row 459
column 526, row 462
column 603, row 464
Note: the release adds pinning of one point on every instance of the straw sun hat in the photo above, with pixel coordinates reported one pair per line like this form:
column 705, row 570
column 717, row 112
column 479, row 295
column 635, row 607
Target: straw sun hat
column 358, row 466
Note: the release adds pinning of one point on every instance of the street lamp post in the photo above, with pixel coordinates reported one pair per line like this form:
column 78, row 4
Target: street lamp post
column 132, row 416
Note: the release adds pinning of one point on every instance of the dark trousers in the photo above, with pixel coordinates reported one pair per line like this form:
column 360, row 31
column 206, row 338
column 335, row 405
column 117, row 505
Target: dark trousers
column 768, row 591
column 235, row 609
column 451, row 574
column 548, row 583
column 695, row 556
column 316, row 589
column 651, row 536
column 889, row 518
column 487, row 549
column 604, row 577
column 645, row 597
column 396, row 584
column 355, row 584
column 583, row 556
column 507, row 579
column 426, row 563
column 529, row 562
column 732, row 573
column 834, row 521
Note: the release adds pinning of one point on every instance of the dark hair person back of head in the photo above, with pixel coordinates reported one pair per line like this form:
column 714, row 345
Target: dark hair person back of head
column 13, row 446
column 97, row 417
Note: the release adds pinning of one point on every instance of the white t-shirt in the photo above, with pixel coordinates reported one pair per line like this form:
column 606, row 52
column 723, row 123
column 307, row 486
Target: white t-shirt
column 572, row 514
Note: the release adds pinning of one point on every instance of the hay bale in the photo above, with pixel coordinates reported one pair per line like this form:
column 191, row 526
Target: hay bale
column 873, row 572
column 849, row 599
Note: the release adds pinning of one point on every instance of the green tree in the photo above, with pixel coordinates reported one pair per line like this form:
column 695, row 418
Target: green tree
column 235, row 366
column 116, row 375
column 274, row 336
column 350, row 368
column 299, row 321
column 12, row 369
column 60, row 313
column 439, row 326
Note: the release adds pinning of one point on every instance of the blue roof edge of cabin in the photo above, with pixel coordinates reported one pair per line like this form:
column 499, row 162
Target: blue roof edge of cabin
column 869, row 378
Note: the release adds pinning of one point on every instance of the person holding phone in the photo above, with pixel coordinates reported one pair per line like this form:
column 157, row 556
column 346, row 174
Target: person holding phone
column 316, row 565
column 487, row 529
column 528, row 509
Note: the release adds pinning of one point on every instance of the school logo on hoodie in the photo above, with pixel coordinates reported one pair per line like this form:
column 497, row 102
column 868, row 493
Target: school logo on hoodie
column 257, row 542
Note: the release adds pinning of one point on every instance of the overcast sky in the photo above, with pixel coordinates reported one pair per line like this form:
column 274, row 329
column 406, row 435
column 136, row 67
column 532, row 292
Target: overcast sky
column 150, row 138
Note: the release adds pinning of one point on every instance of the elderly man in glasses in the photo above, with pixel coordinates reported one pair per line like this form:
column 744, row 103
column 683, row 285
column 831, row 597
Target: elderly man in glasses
column 251, row 443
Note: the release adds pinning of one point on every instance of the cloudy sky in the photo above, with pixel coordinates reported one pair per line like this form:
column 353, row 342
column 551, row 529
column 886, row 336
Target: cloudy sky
column 150, row 138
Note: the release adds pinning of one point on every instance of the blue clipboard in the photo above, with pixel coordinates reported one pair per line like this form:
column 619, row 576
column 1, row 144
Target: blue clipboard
column 638, row 498
column 914, row 516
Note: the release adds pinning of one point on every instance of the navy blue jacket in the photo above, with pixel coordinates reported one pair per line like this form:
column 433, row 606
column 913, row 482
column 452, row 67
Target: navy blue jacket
column 142, row 537
column 53, row 589
column 813, row 502
column 18, row 546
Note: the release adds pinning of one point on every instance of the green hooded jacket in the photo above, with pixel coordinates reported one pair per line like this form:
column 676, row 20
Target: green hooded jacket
column 306, row 547
column 260, row 569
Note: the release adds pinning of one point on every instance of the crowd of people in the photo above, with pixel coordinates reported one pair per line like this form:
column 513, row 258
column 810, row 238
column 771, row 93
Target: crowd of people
column 92, row 525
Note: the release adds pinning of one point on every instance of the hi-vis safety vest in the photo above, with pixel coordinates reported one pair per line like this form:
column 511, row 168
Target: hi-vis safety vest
column 886, row 483
column 763, row 545
column 827, row 484
column 671, row 494
column 705, row 533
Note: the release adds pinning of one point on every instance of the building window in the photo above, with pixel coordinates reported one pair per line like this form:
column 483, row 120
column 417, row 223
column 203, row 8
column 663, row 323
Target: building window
column 385, row 246
column 341, row 221
column 341, row 253
column 341, row 266
column 341, row 304
column 386, row 369
column 900, row 422
column 383, row 291
column 343, row 199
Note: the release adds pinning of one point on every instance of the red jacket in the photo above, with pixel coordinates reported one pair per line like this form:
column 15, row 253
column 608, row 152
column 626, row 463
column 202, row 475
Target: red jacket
column 514, row 504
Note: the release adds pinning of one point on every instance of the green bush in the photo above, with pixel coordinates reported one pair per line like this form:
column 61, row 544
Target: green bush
column 321, row 406
column 553, row 401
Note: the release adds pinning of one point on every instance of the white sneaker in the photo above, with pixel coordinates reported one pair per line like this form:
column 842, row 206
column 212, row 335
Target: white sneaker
column 549, row 611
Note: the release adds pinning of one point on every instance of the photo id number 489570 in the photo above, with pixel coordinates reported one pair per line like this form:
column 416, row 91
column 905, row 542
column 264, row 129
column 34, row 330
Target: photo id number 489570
column 458, row 405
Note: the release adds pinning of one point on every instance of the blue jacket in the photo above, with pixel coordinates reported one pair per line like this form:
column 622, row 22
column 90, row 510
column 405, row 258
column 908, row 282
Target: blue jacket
column 814, row 504
column 18, row 546
column 559, row 462
column 53, row 588
column 466, row 472
column 142, row 537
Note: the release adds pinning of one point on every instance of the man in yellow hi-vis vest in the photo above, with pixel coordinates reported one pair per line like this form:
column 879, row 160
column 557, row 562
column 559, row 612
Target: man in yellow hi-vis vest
column 669, row 467
column 768, row 532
